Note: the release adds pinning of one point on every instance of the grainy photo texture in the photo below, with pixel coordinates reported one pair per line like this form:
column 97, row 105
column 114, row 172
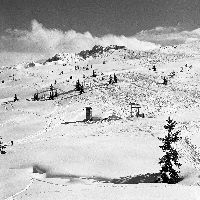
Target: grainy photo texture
column 99, row 99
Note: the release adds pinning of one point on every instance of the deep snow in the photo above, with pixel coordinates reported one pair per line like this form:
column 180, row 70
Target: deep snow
column 78, row 160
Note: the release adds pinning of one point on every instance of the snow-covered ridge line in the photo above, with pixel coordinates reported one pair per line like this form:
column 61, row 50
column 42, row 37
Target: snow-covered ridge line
column 184, row 50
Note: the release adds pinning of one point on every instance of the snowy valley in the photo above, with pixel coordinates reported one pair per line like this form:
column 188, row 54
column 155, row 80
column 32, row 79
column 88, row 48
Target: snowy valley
column 57, row 154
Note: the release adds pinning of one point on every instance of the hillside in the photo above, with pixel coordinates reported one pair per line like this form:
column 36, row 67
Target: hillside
column 56, row 154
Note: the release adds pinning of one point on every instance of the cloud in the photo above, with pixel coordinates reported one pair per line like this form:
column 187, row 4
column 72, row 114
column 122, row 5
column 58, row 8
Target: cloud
column 42, row 40
column 169, row 35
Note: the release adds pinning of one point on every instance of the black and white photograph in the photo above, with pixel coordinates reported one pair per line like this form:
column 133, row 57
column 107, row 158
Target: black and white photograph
column 99, row 99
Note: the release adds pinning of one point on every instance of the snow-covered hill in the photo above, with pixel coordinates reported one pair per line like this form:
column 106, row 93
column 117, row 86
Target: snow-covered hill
column 77, row 160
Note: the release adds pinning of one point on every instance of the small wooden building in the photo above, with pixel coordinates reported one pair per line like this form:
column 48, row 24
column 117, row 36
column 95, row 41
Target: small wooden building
column 88, row 113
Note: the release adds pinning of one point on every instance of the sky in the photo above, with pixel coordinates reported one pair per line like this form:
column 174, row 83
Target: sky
column 48, row 26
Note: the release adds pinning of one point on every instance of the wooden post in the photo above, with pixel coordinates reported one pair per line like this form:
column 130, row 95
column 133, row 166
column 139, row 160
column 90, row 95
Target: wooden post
column 137, row 106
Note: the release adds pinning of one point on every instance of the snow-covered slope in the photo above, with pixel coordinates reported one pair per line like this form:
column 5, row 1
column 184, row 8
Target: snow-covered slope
column 77, row 160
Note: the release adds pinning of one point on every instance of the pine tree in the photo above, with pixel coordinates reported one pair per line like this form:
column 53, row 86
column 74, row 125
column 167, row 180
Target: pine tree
column 2, row 147
column 170, row 160
column 110, row 80
column 164, row 81
column 56, row 94
column 36, row 98
column 51, row 96
column 51, row 87
column 78, row 85
column 115, row 78
column 15, row 98
column 81, row 89
column 94, row 73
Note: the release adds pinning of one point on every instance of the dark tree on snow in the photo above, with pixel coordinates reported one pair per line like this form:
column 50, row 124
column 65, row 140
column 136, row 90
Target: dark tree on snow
column 94, row 73
column 110, row 80
column 115, row 78
column 2, row 147
column 164, row 81
column 15, row 98
column 51, row 87
column 51, row 96
column 56, row 93
column 36, row 97
column 78, row 85
column 170, row 161
column 81, row 89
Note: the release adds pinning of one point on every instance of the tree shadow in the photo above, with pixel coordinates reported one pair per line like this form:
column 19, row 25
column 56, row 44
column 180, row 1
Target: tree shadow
column 142, row 178
column 73, row 178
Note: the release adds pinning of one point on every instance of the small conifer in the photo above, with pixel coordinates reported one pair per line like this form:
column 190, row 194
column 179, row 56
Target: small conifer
column 2, row 147
column 170, row 160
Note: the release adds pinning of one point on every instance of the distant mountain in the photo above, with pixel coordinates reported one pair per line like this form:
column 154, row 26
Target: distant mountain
column 170, row 53
column 97, row 50
column 65, row 58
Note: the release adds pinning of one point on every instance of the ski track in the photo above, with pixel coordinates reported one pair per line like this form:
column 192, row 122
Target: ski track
column 18, row 193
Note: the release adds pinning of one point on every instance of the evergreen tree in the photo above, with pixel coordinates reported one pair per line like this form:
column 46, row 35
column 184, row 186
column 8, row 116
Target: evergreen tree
column 170, row 160
column 51, row 96
column 78, row 85
column 154, row 68
column 94, row 73
column 15, row 98
column 110, row 80
column 81, row 89
column 36, row 98
column 51, row 87
column 164, row 81
column 115, row 78
column 56, row 93
column 2, row 147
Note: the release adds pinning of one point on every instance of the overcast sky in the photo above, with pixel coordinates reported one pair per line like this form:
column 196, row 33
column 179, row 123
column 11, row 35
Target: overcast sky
column 48, row 26
column 100, row 17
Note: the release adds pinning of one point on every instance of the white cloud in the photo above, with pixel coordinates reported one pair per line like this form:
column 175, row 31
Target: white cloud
column 169, row 35
column 42, row 40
